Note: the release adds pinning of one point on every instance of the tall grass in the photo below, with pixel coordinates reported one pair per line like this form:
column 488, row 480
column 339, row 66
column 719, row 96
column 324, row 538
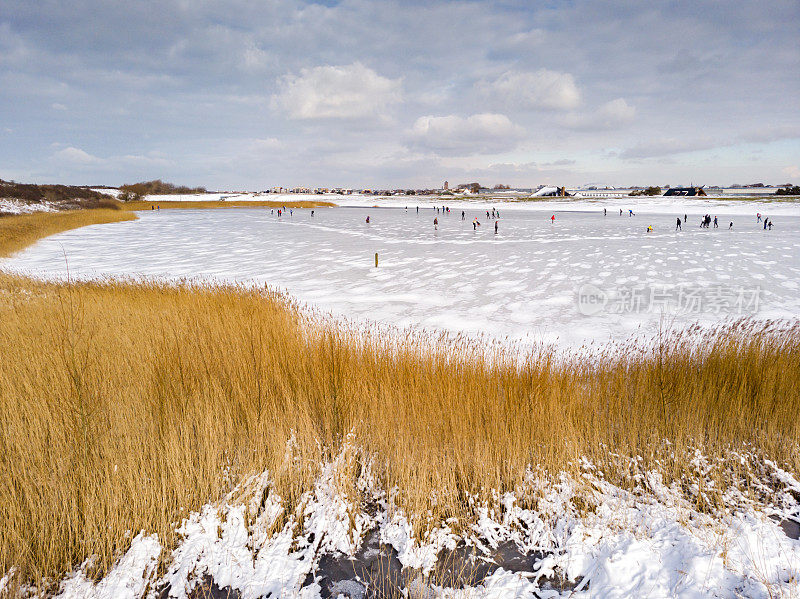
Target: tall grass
column 20, row 231
column 127, row 404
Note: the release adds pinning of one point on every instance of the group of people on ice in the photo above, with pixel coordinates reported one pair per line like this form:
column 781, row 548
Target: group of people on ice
column 767, row 221
column 705, row 223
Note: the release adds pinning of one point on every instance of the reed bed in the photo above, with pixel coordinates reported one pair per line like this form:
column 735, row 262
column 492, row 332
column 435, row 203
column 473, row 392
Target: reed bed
column 128, row 404
column 19, row 231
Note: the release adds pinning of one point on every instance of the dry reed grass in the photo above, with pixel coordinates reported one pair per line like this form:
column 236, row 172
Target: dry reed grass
column 127, row 404
column 20, row 231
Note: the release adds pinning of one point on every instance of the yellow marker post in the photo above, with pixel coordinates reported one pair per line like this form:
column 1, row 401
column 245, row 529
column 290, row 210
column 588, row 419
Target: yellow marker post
column 376, row 259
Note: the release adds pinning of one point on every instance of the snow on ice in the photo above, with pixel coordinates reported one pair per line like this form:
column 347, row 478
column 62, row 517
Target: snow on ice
column 521, row 284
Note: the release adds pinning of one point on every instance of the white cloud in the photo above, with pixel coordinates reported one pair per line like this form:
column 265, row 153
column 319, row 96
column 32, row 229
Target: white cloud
column 76, row 156
column 770, row 133
column 542, row 89
column 792, row 171
column 337, row 92
column 58, row 106
column 261, row 145
column 611, row 115
column 667, row 146
column 485, row 133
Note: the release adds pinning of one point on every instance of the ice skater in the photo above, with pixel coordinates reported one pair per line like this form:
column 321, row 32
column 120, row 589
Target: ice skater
column 730, row 226
column 716, row 224
column 620, row 211
column 553, row 219
column 312, row 213
column 770, row 225
column 435, row 224
column 758, row 217
column 766, row 222
column 495, row 227
column 630, row 212
column 463, row 216
column 367, row 219
column 678, row 225
column 605, row 212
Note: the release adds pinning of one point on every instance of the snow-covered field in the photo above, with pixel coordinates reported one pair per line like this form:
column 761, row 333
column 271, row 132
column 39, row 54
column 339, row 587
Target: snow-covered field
column 585, row 277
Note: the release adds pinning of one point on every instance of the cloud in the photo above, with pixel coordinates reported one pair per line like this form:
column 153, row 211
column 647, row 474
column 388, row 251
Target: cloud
column 453, row 135
column 668, row 146
column 175, row 81
column 76, row 156
column 772, row 133
column 537, row 90
column 792, row 171
column 611, row 115
column 337, row 92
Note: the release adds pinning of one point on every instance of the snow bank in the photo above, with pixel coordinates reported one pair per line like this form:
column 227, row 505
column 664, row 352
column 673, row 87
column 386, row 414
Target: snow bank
column 583, row 537
column 128, row 579
column 8, row 206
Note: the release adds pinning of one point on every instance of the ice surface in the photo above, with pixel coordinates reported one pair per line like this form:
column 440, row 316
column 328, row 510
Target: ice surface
column 521, row 283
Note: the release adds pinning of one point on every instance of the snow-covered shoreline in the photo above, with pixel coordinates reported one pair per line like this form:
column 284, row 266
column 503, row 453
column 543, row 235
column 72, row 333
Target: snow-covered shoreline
column 651, row 540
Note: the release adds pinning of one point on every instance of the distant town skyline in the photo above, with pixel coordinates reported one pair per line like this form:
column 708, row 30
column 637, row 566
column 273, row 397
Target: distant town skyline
column 359, row 94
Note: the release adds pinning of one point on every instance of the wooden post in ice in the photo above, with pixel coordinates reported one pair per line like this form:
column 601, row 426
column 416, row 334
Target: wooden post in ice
column 376, row 259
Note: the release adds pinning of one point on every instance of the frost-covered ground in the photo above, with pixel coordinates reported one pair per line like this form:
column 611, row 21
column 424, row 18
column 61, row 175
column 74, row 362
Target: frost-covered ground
column 651, row 541
column 10, row 206
column 586, row 277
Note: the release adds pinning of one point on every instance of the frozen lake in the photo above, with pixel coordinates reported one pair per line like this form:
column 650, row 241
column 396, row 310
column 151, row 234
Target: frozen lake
column 584, row 277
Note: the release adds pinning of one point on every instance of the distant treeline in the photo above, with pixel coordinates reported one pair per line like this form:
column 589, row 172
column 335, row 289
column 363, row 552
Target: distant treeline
column 789, row 190
column 135, row 191
column 649, row 191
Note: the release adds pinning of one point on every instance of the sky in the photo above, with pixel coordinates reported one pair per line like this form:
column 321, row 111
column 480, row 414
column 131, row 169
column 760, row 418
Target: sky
column 247, row 95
